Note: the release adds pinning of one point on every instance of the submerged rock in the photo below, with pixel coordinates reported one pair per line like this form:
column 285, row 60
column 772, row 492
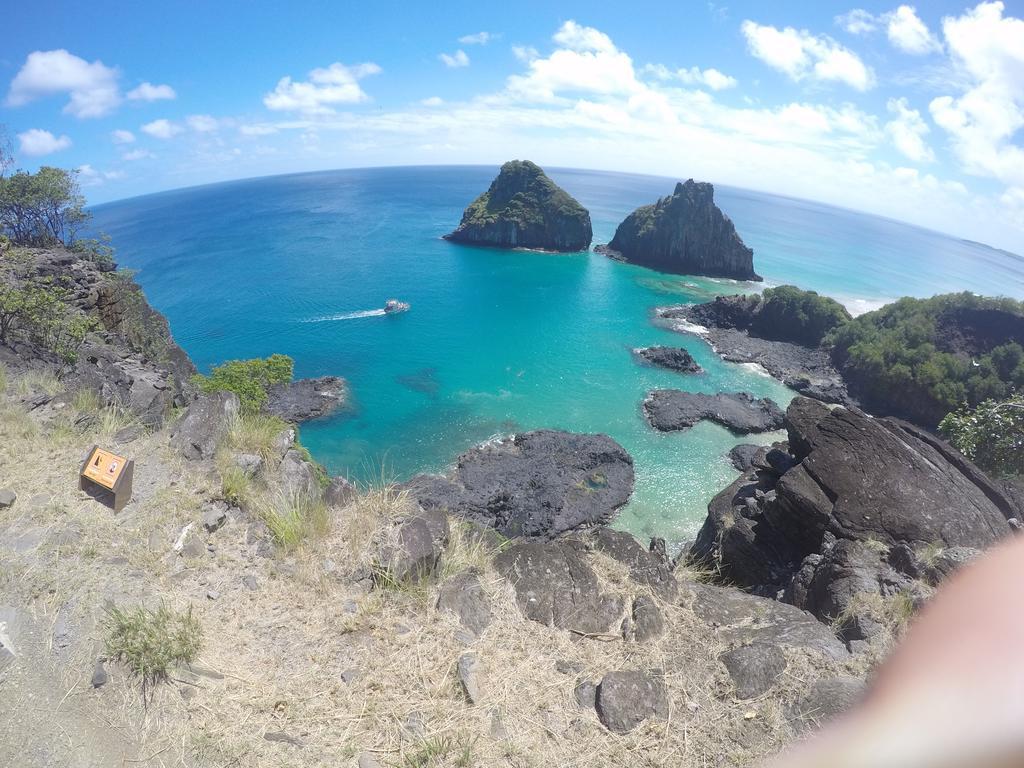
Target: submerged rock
column 673, row 358
column 669, row 410
column 684, row 233
column 523, row 208
column 535, row 484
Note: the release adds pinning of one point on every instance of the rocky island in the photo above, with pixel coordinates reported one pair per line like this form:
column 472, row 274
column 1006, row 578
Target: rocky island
column 523, row 208
column 684, row 233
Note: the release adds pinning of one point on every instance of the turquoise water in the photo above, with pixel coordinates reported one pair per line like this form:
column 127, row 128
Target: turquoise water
column 497, row 341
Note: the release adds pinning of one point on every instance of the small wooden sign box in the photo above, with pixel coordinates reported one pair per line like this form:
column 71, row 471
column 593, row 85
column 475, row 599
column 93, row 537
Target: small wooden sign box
column 104, row 474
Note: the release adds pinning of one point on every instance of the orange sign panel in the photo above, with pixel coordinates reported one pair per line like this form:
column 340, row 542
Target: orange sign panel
column 104, row 467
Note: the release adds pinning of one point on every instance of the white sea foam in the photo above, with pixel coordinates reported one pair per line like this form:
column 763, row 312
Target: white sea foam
column 859, row 306
column 685, row 326
column 346, row 316
column 756, row 368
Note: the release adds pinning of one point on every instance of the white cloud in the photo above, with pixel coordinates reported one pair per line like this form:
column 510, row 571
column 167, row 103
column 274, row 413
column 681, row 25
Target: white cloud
column 857, row 22
column 136, row 154
column 907, row 131
column 433, row 101
column 90, row 177
column 162, row 129
column 36, row 141
column 988, row 51
column 586, row 62
column 121, row 136
column 480, row 38
column 257, row 130
column 454, row 60
column 336, row 84
column 801, row 55
column 525, row 53
column 711, row 78
column 907, row 32
column 92, row 87
column 202, row 123
column 150, row 92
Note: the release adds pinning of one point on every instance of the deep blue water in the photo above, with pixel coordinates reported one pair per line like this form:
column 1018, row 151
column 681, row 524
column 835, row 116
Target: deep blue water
column 497, row 341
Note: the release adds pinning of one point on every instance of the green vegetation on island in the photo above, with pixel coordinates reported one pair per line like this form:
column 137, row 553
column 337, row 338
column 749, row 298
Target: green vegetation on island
column 923, row 358
column 806, row 316
column 524, row 208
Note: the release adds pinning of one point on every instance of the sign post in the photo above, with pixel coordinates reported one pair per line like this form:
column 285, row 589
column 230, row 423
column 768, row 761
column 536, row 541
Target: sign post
column 106, row 474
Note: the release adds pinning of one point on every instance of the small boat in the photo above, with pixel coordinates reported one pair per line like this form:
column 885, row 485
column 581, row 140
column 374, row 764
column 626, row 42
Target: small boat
column 393, row 306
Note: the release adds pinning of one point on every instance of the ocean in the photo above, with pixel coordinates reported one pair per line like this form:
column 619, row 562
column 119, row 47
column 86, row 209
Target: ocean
column 496, row 341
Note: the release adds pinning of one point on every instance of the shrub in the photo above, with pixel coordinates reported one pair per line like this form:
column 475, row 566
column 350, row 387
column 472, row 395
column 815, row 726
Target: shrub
column 991, row 435
column 42, row 208
column 294, row 519
column 804, row 316
column 150, row 643
column 249, row 379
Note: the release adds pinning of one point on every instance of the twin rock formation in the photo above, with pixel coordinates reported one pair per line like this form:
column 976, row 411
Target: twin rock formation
column 684, row 233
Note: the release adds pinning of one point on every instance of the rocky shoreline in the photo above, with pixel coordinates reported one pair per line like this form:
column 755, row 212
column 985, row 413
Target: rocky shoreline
column 808, row 370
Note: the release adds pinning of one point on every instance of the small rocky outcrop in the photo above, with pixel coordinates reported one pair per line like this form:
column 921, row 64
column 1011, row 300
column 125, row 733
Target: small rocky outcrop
column 626, row 698
column 463, row 596
column 754, row 668
column 204, row 425
column 673, row 358
column 535, row 484
column 306, row 399
column 684, row 233
column 412, row 550
column 846, row 514
column 670, row 410
column 523, row 208
column 555, row 586
column 725, row 324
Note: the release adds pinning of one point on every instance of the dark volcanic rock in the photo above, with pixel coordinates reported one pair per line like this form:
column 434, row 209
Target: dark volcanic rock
column 742, row 456
column 556, row 586
column 723, row 324
column 671, row 409
column 645, row 567
column 463, row 595
column 879, row 484
column 684, row 233
column 523, row 208
column 674, row 358
column 754, row 668
column 204, row 424
column 535, row 484
column 826, row 700
column 628, row 697
column 306, row 398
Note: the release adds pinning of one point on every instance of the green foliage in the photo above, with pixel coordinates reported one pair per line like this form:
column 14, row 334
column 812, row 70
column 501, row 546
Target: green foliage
column 42, row 208
column 249, row 379
column 804, row 315
column 991, row 435
column 39, row 310
column 294, row 519
column 96, row 249
column 523, row 193
column 916, row 359
column 150, row 643
column 256, row 433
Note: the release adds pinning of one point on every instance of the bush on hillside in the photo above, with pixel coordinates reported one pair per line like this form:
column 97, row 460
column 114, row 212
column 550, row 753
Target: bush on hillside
column 991, row 435
column 923, row 358
column 797, row 315
column 42, row 208
column 249, row 379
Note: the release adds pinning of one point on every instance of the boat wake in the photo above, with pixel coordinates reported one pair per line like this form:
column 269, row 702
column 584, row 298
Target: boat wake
column 346, row 316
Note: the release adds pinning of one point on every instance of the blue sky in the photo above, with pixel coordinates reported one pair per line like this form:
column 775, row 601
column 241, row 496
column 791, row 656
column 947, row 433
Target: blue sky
column 909, row 112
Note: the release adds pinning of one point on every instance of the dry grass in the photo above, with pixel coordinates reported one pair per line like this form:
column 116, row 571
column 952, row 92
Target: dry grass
column 35, row 382
column 293, row 519
column 256, row 434
column 279, row 651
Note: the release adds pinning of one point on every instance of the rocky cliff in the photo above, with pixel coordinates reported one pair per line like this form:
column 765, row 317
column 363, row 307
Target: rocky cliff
column 523, row 208
column 684, row 233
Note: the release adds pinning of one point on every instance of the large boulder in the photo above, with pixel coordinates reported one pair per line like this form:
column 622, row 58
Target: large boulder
column 204, row 425
column 123, row 378
column 534, row 484
column 684, row 233
column 556, row 586
column 880, row 483
column 523, row 208
column 669, row 410
column 306, row 399
column 645, row 566
column 300, row 478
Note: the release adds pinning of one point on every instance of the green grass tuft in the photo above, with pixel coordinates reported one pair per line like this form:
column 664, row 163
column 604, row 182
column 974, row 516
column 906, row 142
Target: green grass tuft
column 150, row 643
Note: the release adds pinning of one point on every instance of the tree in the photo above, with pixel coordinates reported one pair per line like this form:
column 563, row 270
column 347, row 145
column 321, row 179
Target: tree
column 42, row 208
column 991, row 435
